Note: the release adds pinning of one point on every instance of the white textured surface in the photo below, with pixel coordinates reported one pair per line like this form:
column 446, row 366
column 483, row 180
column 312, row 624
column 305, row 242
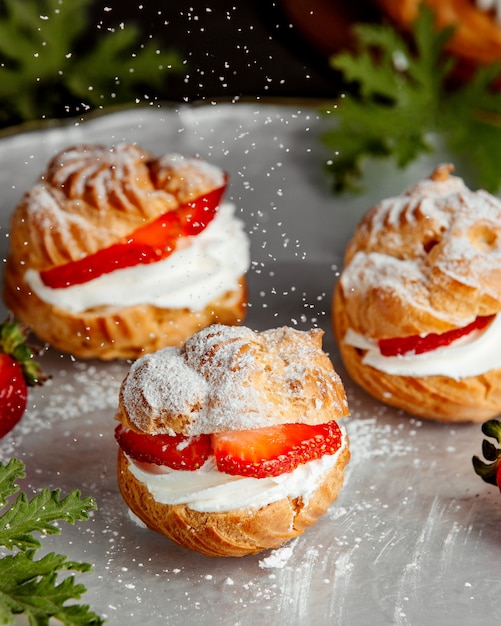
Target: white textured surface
column 415, row 535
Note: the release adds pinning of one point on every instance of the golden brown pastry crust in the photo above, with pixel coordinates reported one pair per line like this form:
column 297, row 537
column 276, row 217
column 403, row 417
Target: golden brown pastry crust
column 477, row 36
column 117, row 333
column 233, row 533
column 424, row 262
column 472, row 399
column 88, row 199
column 91, row 196
column 232, row 378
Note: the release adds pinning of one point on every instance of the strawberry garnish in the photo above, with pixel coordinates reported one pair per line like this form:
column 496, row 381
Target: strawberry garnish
column 150, row 243
column 175, row 451
column 417, row 344
column 273, row 450
column 18, row 371
column 490, row 471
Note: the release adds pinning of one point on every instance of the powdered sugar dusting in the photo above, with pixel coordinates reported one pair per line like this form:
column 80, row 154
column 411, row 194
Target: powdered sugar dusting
column 400, row 280
column 190, row 174
column 44, row 205
column 436, row 235
column 163, row 384
column 94, row 168
column 279, row 557
column 232, row 378
column 69, row 400
column 370, row 439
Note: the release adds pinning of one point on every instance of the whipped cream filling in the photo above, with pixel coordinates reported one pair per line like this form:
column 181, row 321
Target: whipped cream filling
column 207, row 267
column 471, row 355
column 210, row 491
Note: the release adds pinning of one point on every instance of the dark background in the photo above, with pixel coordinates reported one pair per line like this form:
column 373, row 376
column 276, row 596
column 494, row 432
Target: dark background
column 243, row 48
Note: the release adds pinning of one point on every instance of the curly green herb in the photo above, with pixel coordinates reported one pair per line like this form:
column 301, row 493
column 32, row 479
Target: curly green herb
column 31, row 586
column 50, row 67
column 403, row 93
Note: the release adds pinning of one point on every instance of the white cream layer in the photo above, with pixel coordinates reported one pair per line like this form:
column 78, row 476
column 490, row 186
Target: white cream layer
column 190, row 278
column 210, row 491
column 472, row 355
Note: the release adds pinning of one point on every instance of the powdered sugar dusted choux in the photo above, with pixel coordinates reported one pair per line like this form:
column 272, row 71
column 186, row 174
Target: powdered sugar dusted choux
column 226, row 378
column 229, row 445
column 115, row 253
column 416, row 306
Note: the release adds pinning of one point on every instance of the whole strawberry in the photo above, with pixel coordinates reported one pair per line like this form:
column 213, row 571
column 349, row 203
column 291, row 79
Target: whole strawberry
column 18, row 371
column 491, row 471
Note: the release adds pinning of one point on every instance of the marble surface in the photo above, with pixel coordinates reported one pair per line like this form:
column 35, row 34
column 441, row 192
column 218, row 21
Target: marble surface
column 414, row 535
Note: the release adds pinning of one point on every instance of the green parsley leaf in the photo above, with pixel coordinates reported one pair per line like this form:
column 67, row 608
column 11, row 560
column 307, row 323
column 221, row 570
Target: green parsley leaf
column 403, row 94
column 39, row 514
column 8, row 476
column 31, row 586
column 49, row 68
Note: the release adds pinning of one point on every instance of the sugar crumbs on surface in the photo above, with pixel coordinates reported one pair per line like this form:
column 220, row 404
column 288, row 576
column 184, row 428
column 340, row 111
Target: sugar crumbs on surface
column 369, row 438
column 91, row 389
column 278, row 557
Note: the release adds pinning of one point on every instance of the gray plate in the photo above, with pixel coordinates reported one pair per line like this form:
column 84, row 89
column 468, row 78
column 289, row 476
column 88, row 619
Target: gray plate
column 414, row 537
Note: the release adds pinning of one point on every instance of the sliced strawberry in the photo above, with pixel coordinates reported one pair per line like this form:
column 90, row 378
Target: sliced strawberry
column 153, row 242
column 177, row 452
column 273, row 450
column 417, row 344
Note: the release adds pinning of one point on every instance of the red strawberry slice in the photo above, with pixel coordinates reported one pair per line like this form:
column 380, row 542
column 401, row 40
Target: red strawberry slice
column 417, row 344
column 176, row 451
column 273, row 450
column 153, row 242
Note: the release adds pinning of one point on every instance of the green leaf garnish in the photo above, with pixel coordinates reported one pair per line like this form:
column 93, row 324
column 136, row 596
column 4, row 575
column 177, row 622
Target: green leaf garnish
column 50, row 67
column 491, row 452
column 13, row 341
column 29, row 586
column 403, row 93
